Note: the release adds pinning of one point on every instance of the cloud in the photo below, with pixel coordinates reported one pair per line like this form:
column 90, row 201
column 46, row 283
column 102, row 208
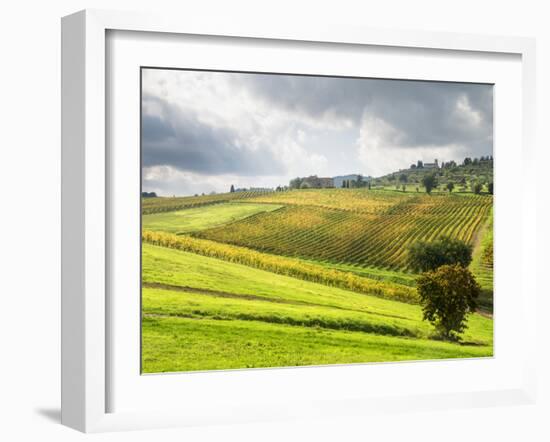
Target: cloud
column 382, row 148
column 216, row 126
column 426, row 113
column 177, row 138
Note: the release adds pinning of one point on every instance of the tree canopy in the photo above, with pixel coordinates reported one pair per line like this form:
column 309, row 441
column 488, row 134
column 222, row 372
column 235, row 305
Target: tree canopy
column 476, row 188
column 295, row 183
column 447, row 295
column 429, row 182
column 426, row 256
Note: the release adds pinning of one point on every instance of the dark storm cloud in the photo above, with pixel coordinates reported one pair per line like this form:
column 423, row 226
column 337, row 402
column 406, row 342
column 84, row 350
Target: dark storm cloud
column 425, row 113
column 178, row 139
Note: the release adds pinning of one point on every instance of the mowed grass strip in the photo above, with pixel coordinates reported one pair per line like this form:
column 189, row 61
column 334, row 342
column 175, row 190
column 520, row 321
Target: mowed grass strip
column 378, row 274
column 172, row 344
column 482, row 263
column 194, row 304
column 200, row 218
column 176, row 268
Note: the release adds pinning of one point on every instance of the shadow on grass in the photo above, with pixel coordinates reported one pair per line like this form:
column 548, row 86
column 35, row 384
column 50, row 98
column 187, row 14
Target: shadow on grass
column 471, row 344
column 438, row 337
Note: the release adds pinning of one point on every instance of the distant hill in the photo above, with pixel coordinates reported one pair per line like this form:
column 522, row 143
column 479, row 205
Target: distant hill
column 463, row 176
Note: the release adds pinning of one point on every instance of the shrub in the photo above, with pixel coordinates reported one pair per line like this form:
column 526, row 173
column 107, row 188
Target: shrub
column 424, row 256
column 447, row 295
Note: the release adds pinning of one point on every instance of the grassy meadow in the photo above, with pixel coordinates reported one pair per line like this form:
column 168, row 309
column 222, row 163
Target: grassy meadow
column 200, row 218
column 301, row 277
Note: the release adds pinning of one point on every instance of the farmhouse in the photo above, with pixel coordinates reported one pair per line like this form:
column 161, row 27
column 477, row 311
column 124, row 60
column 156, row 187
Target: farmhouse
column 316, row 182
column 326, row 182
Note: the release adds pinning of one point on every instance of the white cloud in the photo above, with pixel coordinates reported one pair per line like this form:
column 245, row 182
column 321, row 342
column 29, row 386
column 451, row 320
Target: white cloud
column 381, row 149
column 467, row 114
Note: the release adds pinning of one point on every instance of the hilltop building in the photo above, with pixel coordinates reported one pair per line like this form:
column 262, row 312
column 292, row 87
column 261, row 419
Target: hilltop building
column 420, row 165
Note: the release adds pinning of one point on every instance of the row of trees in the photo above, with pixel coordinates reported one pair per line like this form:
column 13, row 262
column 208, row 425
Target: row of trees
column 467, row 161
column 430, row 182
column 360, row 182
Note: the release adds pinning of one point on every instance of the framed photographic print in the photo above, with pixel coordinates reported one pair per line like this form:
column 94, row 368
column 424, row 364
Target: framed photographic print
column 270, row 223
column 286, row 220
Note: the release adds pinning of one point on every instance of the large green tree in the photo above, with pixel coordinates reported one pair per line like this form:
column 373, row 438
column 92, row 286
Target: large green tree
column 447, row 296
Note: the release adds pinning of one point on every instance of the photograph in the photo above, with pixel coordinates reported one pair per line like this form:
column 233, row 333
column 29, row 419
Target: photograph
column 305, row 220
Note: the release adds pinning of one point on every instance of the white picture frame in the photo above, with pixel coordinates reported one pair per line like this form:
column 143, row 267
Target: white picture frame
column 86, row 204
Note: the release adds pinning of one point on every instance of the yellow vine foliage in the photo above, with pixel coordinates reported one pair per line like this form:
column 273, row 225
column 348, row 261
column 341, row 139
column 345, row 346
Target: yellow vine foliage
column 282, row 266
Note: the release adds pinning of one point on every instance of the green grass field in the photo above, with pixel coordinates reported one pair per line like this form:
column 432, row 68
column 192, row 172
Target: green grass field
column 182, row 344
column 300, row 278
column 200, row 218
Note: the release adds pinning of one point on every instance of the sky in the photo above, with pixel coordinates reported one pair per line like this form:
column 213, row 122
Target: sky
column 205, row 131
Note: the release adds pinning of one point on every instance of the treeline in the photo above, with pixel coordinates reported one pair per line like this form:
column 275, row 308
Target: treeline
column 282, row 266
column 452, row 164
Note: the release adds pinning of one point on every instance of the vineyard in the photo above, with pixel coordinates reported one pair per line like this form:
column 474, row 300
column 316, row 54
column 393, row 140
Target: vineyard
column 351, row 200
column 282, row 265
column 164, row 204
column 301, row 277
column 377, row 234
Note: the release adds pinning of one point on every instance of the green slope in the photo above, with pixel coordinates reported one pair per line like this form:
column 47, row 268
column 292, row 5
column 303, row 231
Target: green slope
column 203, row 313
column 200, row 218
column 181, row 344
